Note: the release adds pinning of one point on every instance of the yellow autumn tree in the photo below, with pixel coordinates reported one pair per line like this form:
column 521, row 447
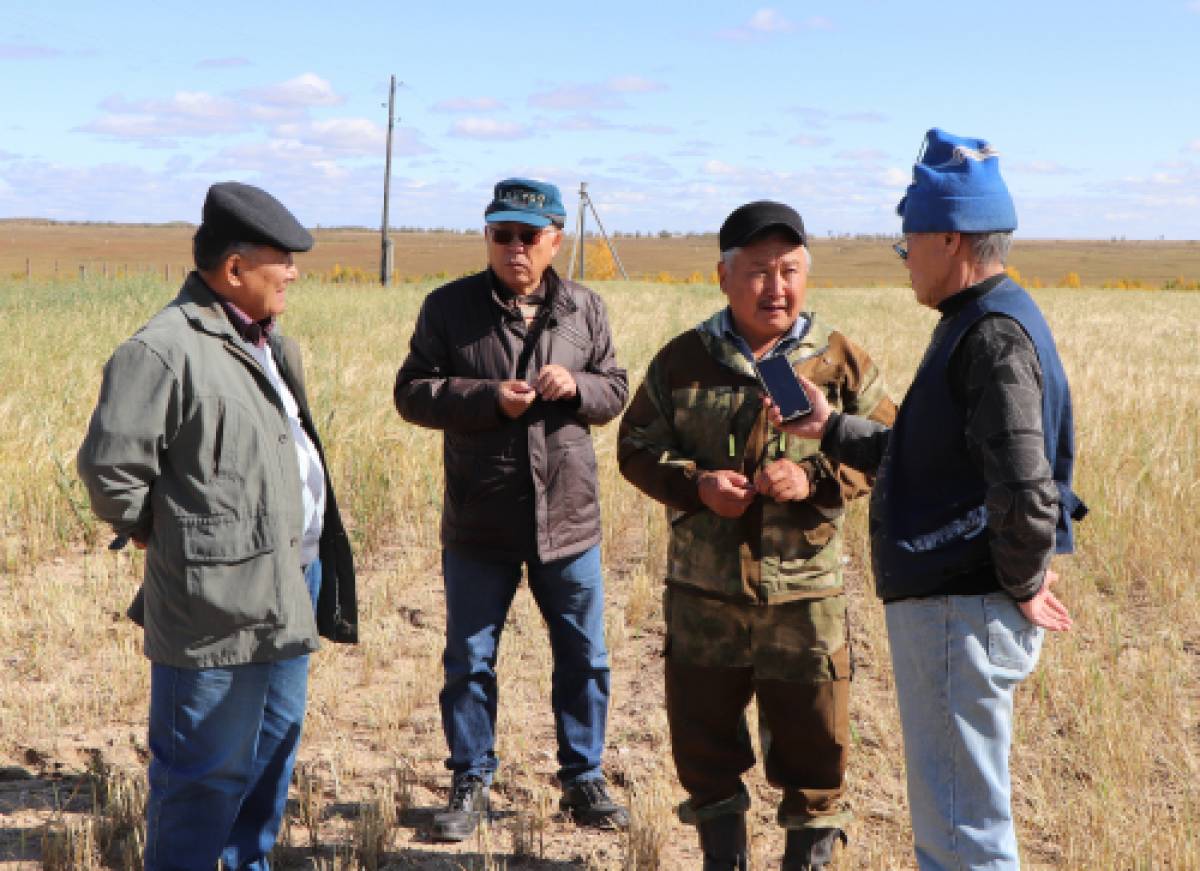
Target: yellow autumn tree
column 598, row 261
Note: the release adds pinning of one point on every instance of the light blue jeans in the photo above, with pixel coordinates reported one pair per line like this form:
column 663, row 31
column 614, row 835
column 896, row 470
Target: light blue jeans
column 957, row 661
column 222, row 745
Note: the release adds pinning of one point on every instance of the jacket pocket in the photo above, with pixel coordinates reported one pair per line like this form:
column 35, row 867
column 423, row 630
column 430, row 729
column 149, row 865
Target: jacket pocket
column 226, row 538
column 231, row 579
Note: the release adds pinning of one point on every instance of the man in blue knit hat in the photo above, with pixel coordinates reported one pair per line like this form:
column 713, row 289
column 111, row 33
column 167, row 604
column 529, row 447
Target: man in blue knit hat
column 973, row 498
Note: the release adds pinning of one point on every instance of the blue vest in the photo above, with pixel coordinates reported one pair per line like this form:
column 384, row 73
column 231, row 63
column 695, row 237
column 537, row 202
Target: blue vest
column 928, row 512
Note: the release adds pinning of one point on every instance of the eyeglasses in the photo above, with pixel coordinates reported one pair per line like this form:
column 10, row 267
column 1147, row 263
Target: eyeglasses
column 505, row 236
column 901, row 249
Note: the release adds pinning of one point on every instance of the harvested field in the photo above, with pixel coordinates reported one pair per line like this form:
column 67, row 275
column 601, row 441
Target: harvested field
column 1106, row 769
column 120, row 249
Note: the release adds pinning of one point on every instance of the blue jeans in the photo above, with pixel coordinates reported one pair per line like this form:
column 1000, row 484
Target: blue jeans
column 570, row 594
column 222, row 742
column 957, row 661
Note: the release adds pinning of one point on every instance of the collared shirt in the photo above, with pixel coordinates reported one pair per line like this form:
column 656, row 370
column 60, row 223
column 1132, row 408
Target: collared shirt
column 312, row 473
column 785, row 343
column 527, row 305
column 252, row 332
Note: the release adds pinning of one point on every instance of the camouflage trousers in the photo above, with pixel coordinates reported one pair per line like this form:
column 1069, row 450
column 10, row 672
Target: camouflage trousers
column 795, row 660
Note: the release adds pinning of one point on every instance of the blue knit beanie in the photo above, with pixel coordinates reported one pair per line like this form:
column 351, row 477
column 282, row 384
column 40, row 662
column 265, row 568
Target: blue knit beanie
column 957, row 187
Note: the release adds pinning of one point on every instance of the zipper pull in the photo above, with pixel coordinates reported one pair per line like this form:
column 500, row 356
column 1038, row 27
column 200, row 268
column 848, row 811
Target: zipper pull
column 732, row 446
column 782, row 443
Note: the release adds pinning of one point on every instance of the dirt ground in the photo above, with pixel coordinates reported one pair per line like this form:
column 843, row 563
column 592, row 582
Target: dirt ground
column 347, row 759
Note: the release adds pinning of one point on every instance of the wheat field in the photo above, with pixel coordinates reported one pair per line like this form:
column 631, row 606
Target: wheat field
column 1107, row 747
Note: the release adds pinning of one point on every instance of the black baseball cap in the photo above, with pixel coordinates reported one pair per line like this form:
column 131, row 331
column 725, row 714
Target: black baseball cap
column 747, row 222
column 236, row 212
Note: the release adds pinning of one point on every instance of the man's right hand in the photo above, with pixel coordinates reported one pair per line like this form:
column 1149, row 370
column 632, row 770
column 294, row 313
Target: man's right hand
column 812, row 425
column 515, row 397
column 725, row 492
column 1045, row 609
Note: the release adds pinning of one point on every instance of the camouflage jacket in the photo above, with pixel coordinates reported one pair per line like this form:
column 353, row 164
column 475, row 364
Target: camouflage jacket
column 700, row 408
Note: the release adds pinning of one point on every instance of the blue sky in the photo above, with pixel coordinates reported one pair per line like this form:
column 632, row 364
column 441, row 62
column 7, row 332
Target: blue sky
column 674, row 113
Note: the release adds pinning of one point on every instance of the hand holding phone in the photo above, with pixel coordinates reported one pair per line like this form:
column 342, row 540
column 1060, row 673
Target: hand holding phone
column 784, row 388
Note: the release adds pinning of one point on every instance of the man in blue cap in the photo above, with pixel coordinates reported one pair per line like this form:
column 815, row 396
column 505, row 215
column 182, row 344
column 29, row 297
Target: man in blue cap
column 973, row 498
column 203, row 451
column 515, row 365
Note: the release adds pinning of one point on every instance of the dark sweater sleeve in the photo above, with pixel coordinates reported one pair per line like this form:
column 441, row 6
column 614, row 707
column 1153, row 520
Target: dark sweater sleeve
column 857, row 442
column 995, row 374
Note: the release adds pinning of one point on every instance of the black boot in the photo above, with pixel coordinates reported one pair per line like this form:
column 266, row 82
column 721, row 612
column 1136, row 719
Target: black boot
column 723, row 840
column 467, row 804
column 810, row 849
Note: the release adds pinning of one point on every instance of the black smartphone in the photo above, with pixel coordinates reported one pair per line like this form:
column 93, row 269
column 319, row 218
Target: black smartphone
column 784, row 387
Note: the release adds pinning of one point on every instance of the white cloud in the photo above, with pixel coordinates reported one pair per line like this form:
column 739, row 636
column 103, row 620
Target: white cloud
column 719, row 167
column 19, row 51
column 865, row 117
column 634, row 85
column 577, row 97
column 587, row 121
column 186, row 113
column 1194, row 5
column 468, row 104
column 1194, row 145
column 897, row 177
column 344, row 135
column 768, row 21
column 305, row 90
column 488, row 128
column 604, row 95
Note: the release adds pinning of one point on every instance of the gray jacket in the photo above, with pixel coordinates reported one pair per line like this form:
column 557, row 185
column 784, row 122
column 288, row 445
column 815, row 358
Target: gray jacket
column 523, row 488
column 190, row 450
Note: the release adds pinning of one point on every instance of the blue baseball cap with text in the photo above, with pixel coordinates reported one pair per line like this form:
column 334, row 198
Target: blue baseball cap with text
column 526, row 201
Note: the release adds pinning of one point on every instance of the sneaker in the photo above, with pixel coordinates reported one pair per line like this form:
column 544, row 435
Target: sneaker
column 588, row 803
column 467, row 804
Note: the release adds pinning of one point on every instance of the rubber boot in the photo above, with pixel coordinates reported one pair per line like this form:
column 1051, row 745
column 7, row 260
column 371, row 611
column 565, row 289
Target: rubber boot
column 723, row 840
column 810, row 849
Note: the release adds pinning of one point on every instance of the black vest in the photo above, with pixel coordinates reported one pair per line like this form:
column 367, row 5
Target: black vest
column 928, row 512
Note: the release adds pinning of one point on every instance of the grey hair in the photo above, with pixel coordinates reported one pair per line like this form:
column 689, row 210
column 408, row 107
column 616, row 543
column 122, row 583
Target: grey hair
column 729, row 253
column 209, row 256
column 991, row 247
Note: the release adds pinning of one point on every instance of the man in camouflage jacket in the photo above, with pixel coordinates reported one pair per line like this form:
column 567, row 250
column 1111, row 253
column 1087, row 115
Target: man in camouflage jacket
column 754, row 602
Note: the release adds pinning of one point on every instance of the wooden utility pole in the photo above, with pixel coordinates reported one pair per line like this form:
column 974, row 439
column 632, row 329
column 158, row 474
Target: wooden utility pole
column 579, row 239
column 585, row 203
column 385, row 261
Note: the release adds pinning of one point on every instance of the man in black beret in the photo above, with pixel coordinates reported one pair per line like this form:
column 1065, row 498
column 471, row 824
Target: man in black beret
column 202, row 451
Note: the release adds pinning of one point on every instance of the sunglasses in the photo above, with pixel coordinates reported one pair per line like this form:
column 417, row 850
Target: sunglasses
column 505, row 236
column 901, row 249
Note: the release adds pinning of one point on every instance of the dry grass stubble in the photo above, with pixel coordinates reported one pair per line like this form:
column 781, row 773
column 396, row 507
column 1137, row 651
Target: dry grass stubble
column 1105, row 764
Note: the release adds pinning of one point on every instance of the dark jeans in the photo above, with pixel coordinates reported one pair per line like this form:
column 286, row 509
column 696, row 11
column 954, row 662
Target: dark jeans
column 570, row 594
column 222, row 742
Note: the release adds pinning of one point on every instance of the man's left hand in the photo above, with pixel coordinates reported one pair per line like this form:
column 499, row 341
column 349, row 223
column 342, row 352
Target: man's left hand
column 554, row 382
column 783, row 481
column 1045, row 609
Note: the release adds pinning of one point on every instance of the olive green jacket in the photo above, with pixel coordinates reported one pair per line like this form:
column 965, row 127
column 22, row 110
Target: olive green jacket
column 190, row 450
column 699, row 409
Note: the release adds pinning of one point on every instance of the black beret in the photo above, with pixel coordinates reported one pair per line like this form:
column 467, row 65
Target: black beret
column 748, row 221
column 236, row 212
